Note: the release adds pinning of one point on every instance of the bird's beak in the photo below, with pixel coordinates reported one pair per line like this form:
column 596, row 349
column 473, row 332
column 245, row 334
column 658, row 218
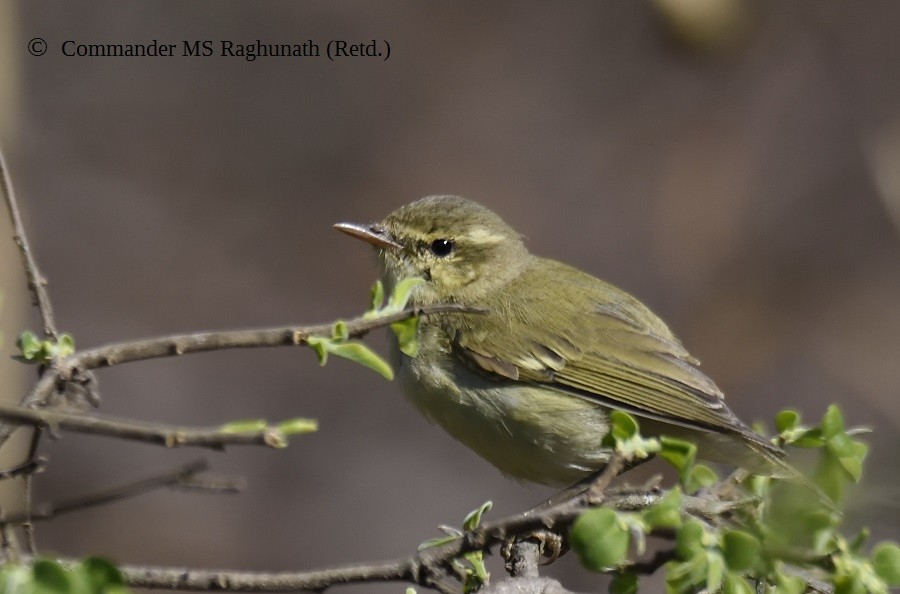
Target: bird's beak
column 371, row 233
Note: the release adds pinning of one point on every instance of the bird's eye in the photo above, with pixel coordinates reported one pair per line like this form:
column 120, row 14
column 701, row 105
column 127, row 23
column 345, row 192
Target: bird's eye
column 441, row 247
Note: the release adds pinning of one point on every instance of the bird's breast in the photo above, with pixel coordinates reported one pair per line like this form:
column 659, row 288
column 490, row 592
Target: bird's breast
column 528, row 431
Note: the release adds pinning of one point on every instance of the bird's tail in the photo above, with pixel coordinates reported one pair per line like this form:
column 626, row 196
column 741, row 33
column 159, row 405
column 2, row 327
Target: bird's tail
column 778, row 467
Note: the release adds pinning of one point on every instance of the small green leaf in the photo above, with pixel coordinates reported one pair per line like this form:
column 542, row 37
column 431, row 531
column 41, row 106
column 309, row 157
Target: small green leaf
column 886, row 561
column 689, row 540
column 319, row 346
column 624, row 583
column 297, row 426
column 810, row 439
column 29, row 345
column 701, row 476
column 789, row 584
column 735, row 584
column 740, row 549
column 339, row 332
column 101, row 573
column 402, row 292
column 600, row 539
column 666, row 513
column 407, row 333
column 787, row 420
column 832, row 422
column 376, row 296
column 623, row 425
column 859, row 540
column 715, row 571
column 50, row 577
column 65, row 346
column 244, row 426
column 680, row 454
column 473, row 519
column 360, row 353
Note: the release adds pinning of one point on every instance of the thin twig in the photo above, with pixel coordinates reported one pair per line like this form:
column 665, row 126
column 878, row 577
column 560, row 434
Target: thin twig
column 168, row 436
column 75, row 366
column 182, row 344
column 36, row 281
column 170, row 478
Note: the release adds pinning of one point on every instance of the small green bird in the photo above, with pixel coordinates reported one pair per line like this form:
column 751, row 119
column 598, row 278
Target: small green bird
column 529, row 385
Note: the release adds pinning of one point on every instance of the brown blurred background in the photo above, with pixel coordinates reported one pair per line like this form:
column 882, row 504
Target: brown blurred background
column 737, row 172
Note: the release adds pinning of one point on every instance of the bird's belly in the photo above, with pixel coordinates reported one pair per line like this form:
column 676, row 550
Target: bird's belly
column 528, row 432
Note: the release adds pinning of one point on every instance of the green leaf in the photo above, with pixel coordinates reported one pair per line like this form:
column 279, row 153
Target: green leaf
column 859, row 540
column 29, row 345
column 319, row 345
column 787, row 420
column 65, row 346
column 473, row 519
column 689, row 540
column 297, row 426
column 700, row 476
column 360, row 353
column 832, row 422
column 50, row 577
column 789, row 584
column 624, row 583
column 101, row 573
column 810, row 439
column 402, row 292
column 339, row 332
column 735, row 584
column 407, row 332
column 623, row 425
column 850, row 454
column 886, row 561
column 680, row 454
column 244, row 426
column 600, row 539
column 740, row 550
column 376, row 296
column 666, row 513
column 715, row 571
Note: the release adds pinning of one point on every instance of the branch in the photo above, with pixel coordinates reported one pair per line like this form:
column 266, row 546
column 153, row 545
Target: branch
column 168, row 436
column 182, row 344
column 424, row 569
column 172, row 478
column 74, row 368
column 36, row 281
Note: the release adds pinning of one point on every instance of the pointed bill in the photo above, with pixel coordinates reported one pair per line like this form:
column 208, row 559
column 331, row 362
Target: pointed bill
column 371, row 233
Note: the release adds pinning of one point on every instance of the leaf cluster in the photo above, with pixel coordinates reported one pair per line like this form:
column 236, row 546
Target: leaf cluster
column 766, row 538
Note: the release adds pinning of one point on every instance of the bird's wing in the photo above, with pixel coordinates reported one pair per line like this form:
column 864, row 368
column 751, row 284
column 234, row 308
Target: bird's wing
column 601, row 344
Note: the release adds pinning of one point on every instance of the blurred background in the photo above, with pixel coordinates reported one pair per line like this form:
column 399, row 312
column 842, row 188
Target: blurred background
column 735, row 165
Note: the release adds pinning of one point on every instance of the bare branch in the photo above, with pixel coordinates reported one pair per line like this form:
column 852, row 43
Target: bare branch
column 183, row 344
column 36, row 281
column 168, row 436
column 171, row 478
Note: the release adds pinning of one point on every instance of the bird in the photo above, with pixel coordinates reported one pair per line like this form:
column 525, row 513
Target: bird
column 530, row 384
